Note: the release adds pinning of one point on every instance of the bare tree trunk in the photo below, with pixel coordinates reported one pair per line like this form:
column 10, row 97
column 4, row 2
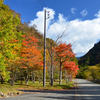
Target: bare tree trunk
column 27, row 78
column 13, row 77
column 51, row 67
column 12, row 82
column 33, row 77
column 39, row 79
column 26, row 81
column 60, row 76
column 69, row 78
column 66, row 79
column 66, row 76
column 21, row 81
column 1, row 80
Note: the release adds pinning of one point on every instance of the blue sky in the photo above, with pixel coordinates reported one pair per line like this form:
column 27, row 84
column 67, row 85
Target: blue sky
column 29, row 8
column 80, row 17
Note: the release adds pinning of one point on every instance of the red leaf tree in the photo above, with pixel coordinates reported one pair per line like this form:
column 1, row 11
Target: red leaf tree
column 64, row 53
column 71, row 67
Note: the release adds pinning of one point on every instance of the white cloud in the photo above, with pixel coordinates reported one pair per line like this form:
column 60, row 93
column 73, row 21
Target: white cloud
column 57, row 27
column 83, row 33
column 39, row 21
column 98, row 14
column 73, row 10
column 84, row 12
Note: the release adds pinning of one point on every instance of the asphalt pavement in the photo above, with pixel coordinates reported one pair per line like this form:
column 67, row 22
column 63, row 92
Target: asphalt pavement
column 84, row 90
column 45, row 95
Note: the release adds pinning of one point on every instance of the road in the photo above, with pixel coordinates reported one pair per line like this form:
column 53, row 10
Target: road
column 85, row 90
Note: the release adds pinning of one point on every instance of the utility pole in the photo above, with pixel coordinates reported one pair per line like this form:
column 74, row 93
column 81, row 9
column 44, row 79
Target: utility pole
column 44, row 67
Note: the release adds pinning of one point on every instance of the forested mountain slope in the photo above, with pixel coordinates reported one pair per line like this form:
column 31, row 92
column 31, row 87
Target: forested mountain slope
column 92, row 57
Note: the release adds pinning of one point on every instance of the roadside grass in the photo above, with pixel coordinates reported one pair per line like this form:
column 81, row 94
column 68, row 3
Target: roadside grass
column 6, row 88
column 39, row 86
column 98, row 82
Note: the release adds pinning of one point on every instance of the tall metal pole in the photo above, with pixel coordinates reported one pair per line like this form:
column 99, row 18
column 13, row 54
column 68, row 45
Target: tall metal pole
column 44, row 69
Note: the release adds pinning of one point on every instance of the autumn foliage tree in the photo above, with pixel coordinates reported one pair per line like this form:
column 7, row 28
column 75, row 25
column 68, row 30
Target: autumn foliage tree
column 64, row 53
column 71, row 67
column 31, row 58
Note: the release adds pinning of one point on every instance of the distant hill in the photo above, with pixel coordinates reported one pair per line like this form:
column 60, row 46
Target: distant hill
column 78, row 58
column 92, row 57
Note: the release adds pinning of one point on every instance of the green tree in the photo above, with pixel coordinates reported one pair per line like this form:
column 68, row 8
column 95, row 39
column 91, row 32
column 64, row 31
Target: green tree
column 8, row 23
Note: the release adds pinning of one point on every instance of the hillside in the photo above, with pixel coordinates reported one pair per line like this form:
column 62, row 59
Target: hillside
column 92, row 57
column 78, row 58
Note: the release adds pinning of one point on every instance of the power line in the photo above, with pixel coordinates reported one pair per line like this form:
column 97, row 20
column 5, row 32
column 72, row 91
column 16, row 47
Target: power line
column 42, row 3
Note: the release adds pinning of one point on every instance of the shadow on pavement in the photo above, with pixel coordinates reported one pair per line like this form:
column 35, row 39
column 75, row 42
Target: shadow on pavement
column 51, row 91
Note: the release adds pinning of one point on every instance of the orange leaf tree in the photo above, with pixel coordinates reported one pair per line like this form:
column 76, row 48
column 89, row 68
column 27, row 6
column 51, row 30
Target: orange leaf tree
column 64, row 53
column 31, row 55
column 71, row 67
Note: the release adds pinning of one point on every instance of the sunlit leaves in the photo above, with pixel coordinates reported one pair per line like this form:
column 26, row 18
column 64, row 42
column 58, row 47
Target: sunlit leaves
column 31, row 55
column 65, row 54
column 71, row 67
column 64, row 51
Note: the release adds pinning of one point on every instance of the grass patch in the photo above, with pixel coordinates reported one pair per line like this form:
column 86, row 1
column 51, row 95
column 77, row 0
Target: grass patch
column 6, row 88
column 65, row 86
column 39, row 86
